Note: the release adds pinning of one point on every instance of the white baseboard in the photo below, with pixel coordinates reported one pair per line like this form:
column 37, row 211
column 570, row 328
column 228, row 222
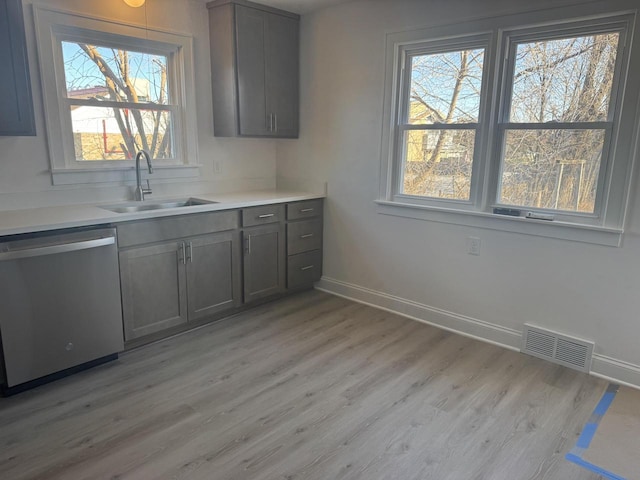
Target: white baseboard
column 461, row 324
column 614, row 370
column 611, row 369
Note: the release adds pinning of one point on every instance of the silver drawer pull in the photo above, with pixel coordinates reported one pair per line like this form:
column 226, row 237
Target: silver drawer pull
column 308, row 267
column 306, row 235
column 266, row 215
column 306, row 210
column 182, row 257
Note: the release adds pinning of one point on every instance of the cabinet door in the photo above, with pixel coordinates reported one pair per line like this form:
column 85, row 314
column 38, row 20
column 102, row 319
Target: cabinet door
column 281, row 73
column 154, row 293
column 213, row 274
column 16, row 105
column 264, row 261
column 250, row 63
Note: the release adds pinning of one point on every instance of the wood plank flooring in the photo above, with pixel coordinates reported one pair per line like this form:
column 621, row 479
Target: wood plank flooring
column 309, row 387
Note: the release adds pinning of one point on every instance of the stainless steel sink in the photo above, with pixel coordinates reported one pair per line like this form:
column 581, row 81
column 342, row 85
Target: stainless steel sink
column 144, row 206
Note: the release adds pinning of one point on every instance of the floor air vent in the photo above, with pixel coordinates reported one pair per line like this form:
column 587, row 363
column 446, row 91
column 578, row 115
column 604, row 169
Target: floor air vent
column 557, row 348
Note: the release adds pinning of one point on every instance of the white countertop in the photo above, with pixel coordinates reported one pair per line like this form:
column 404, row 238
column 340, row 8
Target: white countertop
column 52, row 218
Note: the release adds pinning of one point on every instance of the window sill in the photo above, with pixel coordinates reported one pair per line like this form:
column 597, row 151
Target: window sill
column 121, row 175
column 542, row 228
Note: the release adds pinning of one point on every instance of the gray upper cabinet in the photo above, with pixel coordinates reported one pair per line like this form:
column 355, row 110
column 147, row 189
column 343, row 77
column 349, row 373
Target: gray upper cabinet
column 254, row 69
column 16, row 104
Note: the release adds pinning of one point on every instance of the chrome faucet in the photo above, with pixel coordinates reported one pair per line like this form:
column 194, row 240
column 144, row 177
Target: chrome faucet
column 140, row 190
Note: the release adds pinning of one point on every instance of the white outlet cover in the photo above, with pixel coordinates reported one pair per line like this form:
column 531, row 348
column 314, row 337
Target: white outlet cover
column 473, row 245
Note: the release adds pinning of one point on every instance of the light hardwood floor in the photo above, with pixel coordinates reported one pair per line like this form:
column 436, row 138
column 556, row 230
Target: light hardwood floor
column 310, row 387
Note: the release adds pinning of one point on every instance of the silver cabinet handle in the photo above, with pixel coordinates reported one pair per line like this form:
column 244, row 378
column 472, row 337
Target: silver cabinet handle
column 306, row 210
column 276, row 117
column 183, row 256
column 271, row 122
column 248, row 245
column 190, row 252
column 266, row 215
column 54, row 249
column 306, row 235
column 308, row 267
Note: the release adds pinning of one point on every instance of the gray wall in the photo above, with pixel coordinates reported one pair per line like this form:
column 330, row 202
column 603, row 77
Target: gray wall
column 422, row 267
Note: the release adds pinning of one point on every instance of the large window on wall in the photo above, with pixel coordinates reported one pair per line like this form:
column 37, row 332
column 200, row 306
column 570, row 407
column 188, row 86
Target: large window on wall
column 112, row 90
column 533, row 123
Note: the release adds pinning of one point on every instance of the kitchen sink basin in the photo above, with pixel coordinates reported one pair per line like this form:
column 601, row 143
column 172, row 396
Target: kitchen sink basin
column 144, row 206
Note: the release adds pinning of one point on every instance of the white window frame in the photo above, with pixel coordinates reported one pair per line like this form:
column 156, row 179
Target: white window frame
column 55, row 26
column 605, row 226
column 431, row 47
column 511, row 39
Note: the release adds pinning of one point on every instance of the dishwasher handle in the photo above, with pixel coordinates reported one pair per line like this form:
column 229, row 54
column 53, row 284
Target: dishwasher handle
column 55, row 249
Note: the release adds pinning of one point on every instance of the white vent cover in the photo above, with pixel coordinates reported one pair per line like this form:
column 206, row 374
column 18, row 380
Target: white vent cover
column 555, row 347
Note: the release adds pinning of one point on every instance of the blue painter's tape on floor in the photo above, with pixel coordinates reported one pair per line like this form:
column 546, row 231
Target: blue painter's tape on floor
column 604, row 404
column 594, row 468
column 587, row 435
column 575, row 455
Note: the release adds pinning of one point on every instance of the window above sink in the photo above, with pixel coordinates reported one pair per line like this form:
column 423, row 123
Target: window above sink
column 111, row 90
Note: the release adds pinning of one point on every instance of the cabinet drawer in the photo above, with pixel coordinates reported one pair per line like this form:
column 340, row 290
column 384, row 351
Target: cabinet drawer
column 262, row 215
column 306, row 209
column 166, row 228
column 304, row 269
column 304, row 236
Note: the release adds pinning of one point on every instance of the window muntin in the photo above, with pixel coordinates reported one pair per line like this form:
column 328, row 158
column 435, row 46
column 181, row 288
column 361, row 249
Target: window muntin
column 119, row 102
column 441, row 106
column 555, row 137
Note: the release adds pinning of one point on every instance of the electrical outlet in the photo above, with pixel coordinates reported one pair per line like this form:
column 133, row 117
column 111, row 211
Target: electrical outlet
column 473, row 245
column 216, row 166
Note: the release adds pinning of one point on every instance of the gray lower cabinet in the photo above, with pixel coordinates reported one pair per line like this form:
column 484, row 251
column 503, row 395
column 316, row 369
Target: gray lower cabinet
column 304, row 243
column 264, row 261
column 178, row 269
column 154, row 288
column 213, row 274
column 168, row 284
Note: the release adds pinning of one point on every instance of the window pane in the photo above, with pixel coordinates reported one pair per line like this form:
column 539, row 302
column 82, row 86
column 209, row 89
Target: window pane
column 102, row 133
column 103, row 73
column 566, row 80
column 438, row 163
column 445, row 87
column 555, row 169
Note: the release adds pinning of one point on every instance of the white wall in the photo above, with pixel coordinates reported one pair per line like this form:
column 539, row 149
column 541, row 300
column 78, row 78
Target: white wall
column 244, row 163
column 584, row 290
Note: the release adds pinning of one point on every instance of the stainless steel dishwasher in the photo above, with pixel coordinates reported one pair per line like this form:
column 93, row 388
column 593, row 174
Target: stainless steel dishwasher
column 60, row 308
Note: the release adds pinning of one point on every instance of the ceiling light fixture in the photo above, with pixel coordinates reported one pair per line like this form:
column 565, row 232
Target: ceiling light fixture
column 134, row 3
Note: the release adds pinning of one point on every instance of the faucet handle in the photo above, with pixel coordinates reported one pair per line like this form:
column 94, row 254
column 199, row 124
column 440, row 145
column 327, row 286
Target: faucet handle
column 148, row 189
